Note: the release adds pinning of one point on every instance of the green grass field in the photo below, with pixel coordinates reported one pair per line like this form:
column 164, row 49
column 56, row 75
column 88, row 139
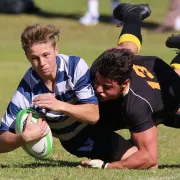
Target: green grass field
column 87, row 42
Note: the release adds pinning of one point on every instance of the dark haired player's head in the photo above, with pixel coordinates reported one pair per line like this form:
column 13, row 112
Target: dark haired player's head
column 115, row 64
column 113, row 68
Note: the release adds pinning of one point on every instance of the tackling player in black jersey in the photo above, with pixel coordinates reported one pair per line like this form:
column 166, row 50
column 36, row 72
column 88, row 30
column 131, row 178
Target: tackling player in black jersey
column 136, row 93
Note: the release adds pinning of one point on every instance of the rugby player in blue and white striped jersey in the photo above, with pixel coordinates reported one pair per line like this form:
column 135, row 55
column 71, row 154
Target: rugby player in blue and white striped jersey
column 55, row 82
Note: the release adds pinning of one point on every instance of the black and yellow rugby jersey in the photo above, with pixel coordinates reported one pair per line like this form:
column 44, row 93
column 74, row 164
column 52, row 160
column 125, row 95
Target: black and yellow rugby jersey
column 153, row 96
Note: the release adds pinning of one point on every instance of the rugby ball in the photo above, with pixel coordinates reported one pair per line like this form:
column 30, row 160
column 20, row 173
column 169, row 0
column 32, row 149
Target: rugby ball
column 37, row 148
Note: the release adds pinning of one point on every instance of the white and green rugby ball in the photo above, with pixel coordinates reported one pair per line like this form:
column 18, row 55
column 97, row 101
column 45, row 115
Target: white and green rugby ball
column 37, row 148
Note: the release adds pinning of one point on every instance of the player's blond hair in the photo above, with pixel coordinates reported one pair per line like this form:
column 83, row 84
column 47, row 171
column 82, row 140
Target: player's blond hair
column 38, row 33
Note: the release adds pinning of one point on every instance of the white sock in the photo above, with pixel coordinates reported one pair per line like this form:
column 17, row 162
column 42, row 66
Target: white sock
column 93, row 7
column 114, row 3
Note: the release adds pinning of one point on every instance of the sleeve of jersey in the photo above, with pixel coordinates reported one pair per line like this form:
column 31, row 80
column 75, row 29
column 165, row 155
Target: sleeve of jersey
column 175, row 63
column 83, row 87
column 139, row 116
column 20, row 100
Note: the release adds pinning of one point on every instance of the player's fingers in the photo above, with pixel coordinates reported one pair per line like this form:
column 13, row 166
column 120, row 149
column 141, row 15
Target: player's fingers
column 43, row 103
column 45, row 129
column 39, row 121
column 42, row 97
column 38, row 102
column 29, row 117
column 79, row 167
column 44, row 125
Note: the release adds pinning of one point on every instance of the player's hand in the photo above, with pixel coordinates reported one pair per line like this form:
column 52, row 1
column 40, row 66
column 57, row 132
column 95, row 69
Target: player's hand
column 48, row 101
column 33, row 131
column 94, row 163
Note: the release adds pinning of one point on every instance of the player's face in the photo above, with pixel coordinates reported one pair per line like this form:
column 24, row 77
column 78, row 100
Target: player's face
column 106, row 89
column 42, row 57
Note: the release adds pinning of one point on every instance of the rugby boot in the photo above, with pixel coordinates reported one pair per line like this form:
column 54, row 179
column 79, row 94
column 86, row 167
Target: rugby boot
column 173, row 41
column 125, row 9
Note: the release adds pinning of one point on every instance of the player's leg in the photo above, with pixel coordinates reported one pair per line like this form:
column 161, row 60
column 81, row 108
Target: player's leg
column 173, row 121
column 91, row 17
column 116, row 148
column 112, row 147
column 121, row 148
column 132, row 16
column 174, row 42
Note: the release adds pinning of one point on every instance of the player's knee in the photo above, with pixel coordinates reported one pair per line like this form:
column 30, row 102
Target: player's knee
column 129, row 152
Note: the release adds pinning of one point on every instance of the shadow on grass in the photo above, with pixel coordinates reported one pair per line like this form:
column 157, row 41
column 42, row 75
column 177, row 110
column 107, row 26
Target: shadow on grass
column 74, row 16
column 59, row 163
column 169, row 166
column 42, row 163
column 103, row 18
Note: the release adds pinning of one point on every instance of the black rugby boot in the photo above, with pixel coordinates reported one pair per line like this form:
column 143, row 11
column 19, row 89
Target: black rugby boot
column 123, row 10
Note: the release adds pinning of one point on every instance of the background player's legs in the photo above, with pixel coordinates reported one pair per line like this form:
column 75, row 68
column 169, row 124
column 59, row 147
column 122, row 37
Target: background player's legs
column 91, row 17
column 132, row 16
column 172, row 19
column 114, row 4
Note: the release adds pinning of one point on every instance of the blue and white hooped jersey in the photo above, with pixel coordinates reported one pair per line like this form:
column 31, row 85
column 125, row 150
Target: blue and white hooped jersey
column 73, row 85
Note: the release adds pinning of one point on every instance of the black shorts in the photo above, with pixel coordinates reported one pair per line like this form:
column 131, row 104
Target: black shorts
column 173, row 121
column 108, row 148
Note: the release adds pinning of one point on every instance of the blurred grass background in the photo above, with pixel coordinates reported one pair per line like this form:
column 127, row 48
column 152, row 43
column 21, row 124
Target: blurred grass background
column 87, row 42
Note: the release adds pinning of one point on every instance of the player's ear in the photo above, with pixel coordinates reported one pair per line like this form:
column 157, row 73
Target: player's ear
column 125, row 83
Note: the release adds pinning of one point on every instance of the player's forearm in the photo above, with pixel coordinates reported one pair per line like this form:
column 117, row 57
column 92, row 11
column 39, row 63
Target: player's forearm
column 138, row 160
column 10, row 141
column 85, row 112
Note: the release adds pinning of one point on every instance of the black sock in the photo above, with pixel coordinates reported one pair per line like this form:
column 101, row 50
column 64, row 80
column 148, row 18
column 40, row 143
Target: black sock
column 132, row 26
column 131, row 31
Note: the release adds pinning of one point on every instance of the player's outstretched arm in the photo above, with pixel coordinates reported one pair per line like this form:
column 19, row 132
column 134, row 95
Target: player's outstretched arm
column 147, row 155
column 10, row 141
